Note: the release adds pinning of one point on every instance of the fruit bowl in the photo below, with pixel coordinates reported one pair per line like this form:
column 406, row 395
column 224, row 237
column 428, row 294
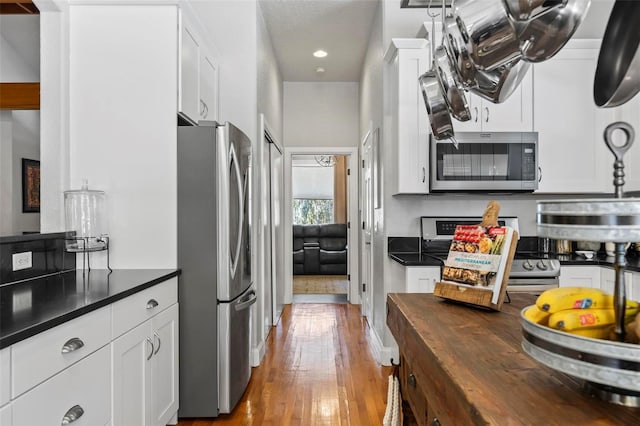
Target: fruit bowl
column 611, row 370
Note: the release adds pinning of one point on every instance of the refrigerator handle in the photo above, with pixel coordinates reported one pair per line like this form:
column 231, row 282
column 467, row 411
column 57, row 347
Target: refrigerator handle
column 249, row 300
column 233, row 158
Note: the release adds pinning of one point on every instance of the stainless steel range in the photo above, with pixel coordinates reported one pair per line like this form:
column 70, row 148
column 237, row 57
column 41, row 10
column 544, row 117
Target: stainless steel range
column 531, row 271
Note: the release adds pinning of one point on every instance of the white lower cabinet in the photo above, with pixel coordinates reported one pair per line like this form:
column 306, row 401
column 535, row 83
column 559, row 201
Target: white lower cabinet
column 421, row 279
column 5, row 376
column 608, row 281
column 634, row 287
column 5, row 415
column 79, row 394
column 145, row 371
column 580, row 276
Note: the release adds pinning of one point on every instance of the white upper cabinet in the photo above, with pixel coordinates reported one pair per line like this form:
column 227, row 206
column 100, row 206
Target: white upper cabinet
column 572, row 154
column 198, row 74
column 208, row 88
column 189, row 66
column 406, row 113
column 513, row 115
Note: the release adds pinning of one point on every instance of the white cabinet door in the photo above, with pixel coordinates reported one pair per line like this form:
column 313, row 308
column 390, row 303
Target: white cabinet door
column 409, row 130
column 580, row 276
column 164, row 366
column 608, row 281
column 5, row 375
column 81, row 392
column 208, row 88
column 6, row 415
column 189, row 64
column 513, row 115
column 634, row 287
column 421, row 279
column 572, row 153
column 132, row 353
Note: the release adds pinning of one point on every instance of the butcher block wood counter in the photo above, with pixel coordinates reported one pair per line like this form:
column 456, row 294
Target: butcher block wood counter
column 462, row 365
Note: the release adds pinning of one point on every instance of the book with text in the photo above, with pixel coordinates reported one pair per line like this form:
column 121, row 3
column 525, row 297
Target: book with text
column 478, row 257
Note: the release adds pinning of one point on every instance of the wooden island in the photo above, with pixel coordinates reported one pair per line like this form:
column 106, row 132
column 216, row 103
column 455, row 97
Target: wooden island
column 462, row 365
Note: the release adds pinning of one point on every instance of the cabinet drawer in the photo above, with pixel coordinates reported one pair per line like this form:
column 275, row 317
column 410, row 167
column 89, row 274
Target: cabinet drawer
column 411, row 391
column 5, row 377
column 39, row 357
column 136, row 309
column 85, row 386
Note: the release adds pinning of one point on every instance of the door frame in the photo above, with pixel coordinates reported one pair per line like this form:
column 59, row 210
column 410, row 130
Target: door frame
column 352, row 216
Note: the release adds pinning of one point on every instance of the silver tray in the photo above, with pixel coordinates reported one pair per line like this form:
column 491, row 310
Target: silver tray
column 613, row 219
column 611, row 369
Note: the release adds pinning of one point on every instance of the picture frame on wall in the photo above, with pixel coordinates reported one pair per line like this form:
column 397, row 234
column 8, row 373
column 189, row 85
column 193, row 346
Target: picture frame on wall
column 30, row 186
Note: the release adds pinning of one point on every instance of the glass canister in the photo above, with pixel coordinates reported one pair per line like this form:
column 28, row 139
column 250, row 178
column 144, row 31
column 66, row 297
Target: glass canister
column 85, row 213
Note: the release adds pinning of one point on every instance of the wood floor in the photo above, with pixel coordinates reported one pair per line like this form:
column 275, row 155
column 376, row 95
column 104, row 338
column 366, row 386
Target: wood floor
column 317, row 370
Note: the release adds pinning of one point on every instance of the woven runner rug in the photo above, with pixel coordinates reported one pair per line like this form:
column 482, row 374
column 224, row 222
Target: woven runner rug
column 320, row 284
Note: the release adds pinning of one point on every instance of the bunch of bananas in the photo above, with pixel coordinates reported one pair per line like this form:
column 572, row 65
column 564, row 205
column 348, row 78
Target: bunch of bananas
column 583, row 311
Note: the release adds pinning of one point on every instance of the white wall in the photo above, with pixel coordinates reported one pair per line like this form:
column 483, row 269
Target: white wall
column 109, row 115
column 321, row 114
column 269, row 100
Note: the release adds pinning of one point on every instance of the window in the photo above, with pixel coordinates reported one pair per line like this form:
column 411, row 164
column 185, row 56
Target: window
column 312, row 211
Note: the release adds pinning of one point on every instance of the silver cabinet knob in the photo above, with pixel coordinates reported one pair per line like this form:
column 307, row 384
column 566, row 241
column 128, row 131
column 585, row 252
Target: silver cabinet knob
column 71, row 345
column 73, row 414
column 435, row 422
column 152, row 304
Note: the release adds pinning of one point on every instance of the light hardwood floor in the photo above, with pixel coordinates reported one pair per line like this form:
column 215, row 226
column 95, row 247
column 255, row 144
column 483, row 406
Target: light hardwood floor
column 317, row 370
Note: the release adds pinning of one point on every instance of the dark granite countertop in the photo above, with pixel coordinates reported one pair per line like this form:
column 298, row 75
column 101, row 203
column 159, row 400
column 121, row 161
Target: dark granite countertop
column 32, row 306
column 415, row 259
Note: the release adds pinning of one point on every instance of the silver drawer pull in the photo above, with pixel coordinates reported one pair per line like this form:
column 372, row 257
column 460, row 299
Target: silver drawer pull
column 150, row 343
column 157, row 336
column 152, row 304
column 72, row 415
column 72, row 345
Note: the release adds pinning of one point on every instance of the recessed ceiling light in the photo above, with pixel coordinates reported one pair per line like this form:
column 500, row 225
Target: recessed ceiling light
column 320, row 53
column 319, row 70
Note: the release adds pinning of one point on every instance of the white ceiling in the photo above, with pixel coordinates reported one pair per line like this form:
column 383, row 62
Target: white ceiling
column 342, row 28
column 299, row 27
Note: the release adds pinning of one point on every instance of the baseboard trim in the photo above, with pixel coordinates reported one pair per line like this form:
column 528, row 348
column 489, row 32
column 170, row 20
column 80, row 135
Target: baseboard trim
column 383, row 354
column 257, row 353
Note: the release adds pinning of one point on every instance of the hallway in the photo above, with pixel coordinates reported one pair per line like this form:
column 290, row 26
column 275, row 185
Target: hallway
column 317, row 370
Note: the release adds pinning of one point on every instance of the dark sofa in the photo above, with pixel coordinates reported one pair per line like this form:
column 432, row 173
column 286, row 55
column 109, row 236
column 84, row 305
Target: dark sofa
column 320, row 249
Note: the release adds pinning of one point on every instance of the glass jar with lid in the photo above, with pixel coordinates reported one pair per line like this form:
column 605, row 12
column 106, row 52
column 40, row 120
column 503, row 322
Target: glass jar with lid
column 86, row 215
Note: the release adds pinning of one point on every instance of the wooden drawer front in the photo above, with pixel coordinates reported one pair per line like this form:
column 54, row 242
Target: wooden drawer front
column 135, row 309
column 412, row 393
column 5, row 377
column 86, row 386
column 37, row 358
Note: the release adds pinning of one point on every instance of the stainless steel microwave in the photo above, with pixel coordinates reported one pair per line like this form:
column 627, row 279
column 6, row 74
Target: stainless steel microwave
column 499, row 161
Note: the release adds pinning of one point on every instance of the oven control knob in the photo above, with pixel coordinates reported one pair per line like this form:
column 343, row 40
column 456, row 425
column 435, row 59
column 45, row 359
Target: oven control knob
column 542, row 265
column 527, row 265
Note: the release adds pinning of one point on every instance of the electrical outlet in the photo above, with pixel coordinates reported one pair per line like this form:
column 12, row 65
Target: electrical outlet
column 22, row 260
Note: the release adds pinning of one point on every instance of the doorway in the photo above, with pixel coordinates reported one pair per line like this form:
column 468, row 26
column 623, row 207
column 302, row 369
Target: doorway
column 315, row 205
column 320, row 250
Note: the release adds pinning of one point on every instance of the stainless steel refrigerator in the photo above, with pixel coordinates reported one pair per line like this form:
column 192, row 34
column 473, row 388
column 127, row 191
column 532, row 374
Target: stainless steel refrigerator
column 215, row 290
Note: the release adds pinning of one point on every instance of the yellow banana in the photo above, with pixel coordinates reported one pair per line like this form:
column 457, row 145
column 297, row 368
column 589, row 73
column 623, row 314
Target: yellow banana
column 561, row 298
column 573, row 319
column 534, row 314
column 603, row 332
